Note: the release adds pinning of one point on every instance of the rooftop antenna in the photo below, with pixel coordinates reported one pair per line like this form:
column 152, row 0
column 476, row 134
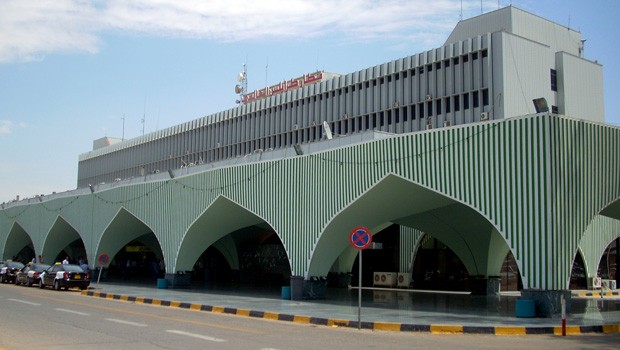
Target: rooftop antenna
column 242, row 87
column 481, row 12
column 123, row 118
column 144, row 115
column 461, row 11
column 266, row 71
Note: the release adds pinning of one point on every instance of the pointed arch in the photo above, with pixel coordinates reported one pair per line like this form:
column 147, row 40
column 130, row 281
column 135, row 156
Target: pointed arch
column 474, row 239
column 221, row 218
column 60, row 236
column 123, row 229
column 16, row 241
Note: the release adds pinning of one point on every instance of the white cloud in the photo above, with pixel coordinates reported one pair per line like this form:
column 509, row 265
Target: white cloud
column 7, row 126
column 31, row 28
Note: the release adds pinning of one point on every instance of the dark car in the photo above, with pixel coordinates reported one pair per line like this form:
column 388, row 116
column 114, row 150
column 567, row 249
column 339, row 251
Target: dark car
column 30, row 274
column 65, row 276
column 8, row 271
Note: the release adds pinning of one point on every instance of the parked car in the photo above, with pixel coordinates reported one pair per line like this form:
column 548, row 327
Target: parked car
column 64, row 276
column 30, row 274
column 8, row 271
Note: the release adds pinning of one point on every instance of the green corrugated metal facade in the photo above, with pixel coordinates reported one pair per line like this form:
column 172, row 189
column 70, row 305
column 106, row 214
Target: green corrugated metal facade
column 539, row 180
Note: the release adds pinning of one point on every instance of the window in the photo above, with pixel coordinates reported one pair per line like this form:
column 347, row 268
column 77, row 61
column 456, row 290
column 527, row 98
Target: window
column 457, row 104
column 429, row 108
column 476, row 102
column 554, row 109
column 446, row 103
column 438, row 106
column 455, row 60
column 554, row 80
column 465, row 58
column 485, row 97
column 474, row 56
column 485, row 53
column 465, row 101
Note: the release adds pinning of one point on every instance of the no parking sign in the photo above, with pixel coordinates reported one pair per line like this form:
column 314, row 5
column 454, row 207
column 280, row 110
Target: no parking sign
column 360, row 237
column 103, row 259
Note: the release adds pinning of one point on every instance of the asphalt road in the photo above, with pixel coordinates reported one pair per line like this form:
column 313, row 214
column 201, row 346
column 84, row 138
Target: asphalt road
column 31, row 318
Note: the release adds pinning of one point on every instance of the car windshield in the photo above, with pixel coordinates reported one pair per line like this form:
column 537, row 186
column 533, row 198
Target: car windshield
column 40, row 267
column 15, row 265
column 72, row 268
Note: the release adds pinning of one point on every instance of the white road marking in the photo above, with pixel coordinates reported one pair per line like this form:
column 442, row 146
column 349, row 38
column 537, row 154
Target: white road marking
column 126, row 322
column 218, row 340
column 25, row 302
column 73, row 312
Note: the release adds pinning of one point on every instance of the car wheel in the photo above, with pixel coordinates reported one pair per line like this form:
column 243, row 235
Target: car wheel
column 41, row 285
column 56, row 285
column 2, row 279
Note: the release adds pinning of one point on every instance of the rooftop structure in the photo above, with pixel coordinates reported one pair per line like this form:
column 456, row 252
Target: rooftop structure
column 491, row 67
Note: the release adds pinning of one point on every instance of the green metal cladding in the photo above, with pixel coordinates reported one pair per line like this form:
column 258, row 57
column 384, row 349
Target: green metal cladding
column 538, row 181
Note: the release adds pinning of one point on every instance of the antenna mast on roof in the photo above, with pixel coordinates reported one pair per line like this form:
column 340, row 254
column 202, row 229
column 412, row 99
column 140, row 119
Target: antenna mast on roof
column 242, row 87
column 144, row 115
column 461, row 11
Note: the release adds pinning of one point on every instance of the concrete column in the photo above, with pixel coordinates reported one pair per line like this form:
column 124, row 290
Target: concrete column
column 547, row 302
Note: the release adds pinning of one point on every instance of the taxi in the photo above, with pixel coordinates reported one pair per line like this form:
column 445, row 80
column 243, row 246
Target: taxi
column 64, row 276
column 8, row 271
column 30, row 274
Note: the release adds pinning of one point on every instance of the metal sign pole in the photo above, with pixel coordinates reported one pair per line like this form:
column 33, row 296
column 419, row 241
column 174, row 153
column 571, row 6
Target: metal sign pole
column 99, row 274
column 359, row 294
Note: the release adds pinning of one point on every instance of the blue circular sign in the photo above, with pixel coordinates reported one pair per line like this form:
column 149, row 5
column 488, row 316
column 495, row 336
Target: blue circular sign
column 360, row 237
column 103, row 259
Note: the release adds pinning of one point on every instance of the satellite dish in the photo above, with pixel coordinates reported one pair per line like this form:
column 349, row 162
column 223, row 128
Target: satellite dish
column 238, row 89
column 241, row 77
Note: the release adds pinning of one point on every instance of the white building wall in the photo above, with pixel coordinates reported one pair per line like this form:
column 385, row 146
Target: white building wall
column 580, row 88
column 516, row 21
column 526, row 69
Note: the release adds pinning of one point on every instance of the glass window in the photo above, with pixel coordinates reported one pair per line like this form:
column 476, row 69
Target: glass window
column 554, row 80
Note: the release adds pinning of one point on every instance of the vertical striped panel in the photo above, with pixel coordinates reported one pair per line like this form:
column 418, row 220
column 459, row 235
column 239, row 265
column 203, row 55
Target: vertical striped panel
column 540, row 180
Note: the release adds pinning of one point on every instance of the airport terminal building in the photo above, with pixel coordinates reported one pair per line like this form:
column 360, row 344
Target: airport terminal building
column 492, row 145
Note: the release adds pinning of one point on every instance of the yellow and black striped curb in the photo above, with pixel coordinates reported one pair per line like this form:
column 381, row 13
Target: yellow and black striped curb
column 598, row 294
column 379, row 326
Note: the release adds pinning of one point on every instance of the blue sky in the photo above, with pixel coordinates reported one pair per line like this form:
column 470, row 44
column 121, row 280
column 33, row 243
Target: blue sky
column 70, row 70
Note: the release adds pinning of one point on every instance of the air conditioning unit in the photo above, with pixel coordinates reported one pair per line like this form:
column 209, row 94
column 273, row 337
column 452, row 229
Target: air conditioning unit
column 404, row 280
column 595, row 283
column 608, row 284
column 447, row 123
column 429, row 126
column 429, row 97
column 484, row 116
column 384, row 296
column 385, row 279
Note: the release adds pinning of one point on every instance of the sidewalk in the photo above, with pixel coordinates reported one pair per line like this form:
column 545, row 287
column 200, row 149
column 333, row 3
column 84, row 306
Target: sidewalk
column 396, row 310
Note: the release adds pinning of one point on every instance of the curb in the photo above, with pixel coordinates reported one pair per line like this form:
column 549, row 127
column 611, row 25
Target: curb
column 598, row 294
column 377, row 326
